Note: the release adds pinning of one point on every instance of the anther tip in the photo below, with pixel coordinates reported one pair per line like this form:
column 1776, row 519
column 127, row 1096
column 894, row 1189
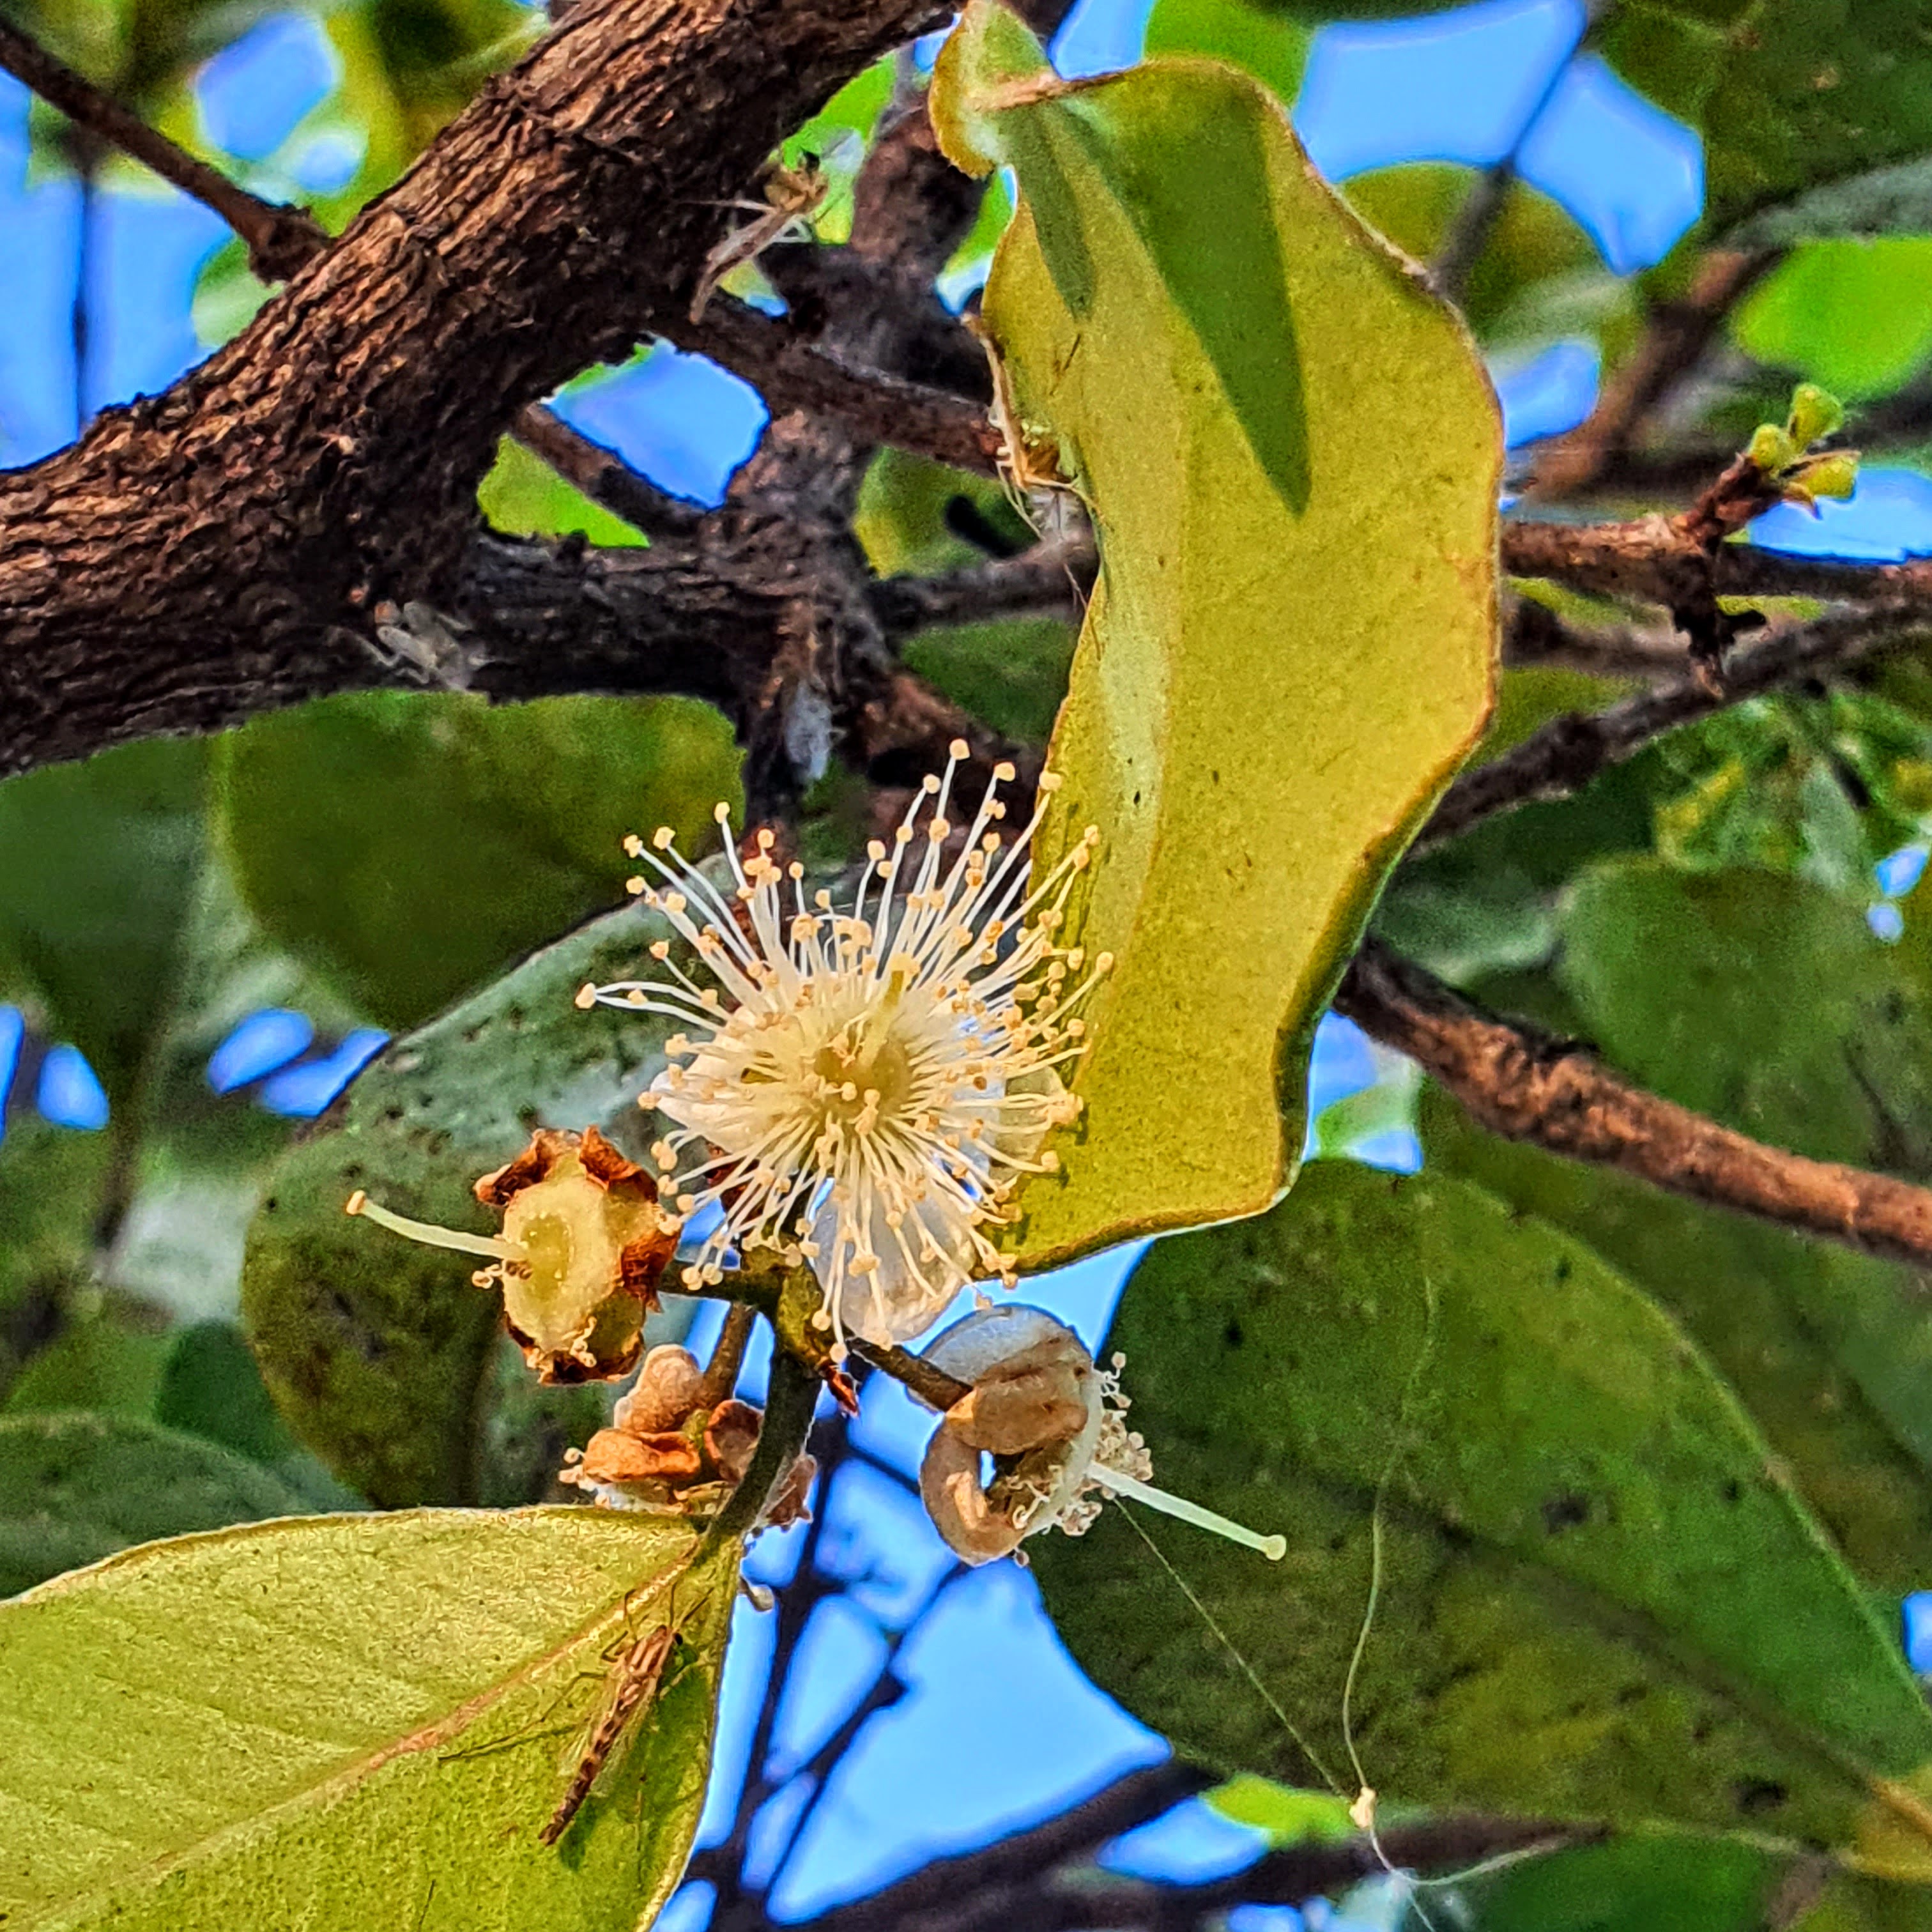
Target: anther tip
column 355, row 1203
column 1274, row 1548
column 587, row 998
column 958, row 749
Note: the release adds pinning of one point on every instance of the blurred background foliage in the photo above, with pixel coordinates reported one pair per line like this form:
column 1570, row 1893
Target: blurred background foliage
column 202, row 944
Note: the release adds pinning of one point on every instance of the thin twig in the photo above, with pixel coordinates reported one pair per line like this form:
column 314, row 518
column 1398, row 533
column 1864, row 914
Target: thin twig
column 1676, row 338
column 1052, row 578
column 792, row 373
column 604, row 477
column 1526, row 1085
column 1566, row 754
column 721, row 1372
column 279, row 239
column 933, row 1386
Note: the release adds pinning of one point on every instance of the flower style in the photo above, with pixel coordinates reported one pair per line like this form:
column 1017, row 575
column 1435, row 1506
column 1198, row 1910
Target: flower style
column 1055, row 1426
column 862, row 1089
column 584, row 1243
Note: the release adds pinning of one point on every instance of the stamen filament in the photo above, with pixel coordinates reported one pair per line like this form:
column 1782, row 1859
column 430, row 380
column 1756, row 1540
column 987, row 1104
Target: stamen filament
column 431, row 1235
column 1274, row 1548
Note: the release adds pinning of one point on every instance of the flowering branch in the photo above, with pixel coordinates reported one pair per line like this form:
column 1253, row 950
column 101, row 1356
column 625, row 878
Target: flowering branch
column 1526, row 1085
column 1567, row 753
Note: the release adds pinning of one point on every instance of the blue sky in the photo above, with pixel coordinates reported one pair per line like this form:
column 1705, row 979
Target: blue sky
column 998, row 1728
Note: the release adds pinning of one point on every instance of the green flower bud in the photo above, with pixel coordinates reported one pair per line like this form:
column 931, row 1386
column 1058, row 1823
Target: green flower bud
column 1835, row 475
column 1815, row 413
column 1771, row 448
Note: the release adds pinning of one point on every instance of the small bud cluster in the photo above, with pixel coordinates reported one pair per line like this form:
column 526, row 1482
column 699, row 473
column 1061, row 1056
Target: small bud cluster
column 1786, row 453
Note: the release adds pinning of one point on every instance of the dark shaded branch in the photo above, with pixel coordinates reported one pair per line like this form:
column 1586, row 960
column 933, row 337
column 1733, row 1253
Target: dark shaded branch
column 1677, row 336
column 206, row 553
column 1052, row 578
column 983, row 1889
column 1526, row 1085
column 604, row 477
column 1567, row 753
column 279, row 239
column 793, row 373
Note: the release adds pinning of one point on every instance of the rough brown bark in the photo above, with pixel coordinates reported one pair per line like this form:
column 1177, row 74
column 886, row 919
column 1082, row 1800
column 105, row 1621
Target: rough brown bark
column 1526, row 1086
column 207, row 553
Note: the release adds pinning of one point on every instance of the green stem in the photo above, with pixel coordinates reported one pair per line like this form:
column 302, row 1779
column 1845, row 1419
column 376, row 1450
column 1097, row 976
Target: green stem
column 790, row 1401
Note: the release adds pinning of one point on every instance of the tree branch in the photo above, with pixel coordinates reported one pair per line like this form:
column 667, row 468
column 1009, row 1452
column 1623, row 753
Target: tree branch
column 1567, row 753
column 202, row 554
column 1053, row 578
column 279, row 239
column 1526, row 1085
column 1673, row 344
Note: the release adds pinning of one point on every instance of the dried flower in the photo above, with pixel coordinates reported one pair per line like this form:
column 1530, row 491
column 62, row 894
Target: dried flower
column 862, row 1089
column 666, row 1453
column 1055, row 1426
column 583, row 1246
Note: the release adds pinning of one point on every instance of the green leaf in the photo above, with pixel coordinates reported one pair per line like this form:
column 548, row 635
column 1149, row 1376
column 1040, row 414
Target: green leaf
column 210, row 1387
column 1599, row 1597
column 1780, row 1013
column 352, row 1720
column 1651, row 1882
column 1855, row 316
column 1289, row 1817
column 1787, row 94
column 1531, row 242
column 109, row 1359
column 102, row 858
column 1827, row 1348
column 76, row 1487
column 411, row 847
column 377, row 1349
column 1251, row 393
column 524, row 496
column 51, row 1179
column 1261, row 41
column 1011, row 675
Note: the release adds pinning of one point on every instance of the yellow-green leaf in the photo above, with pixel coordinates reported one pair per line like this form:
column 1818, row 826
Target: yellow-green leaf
column 353, row 1721
column 1261, row 405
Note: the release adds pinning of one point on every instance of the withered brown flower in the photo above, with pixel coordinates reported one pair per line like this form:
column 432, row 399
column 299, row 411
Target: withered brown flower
column 584, row 1244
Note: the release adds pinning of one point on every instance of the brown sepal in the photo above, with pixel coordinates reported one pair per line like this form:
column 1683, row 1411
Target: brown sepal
column 617, row 1455
column 641, row 1266
column 547, row 1146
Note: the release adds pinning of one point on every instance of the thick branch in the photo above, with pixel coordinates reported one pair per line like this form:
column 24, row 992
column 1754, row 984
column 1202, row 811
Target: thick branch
column 234, row 537
column 1526, row 1086
column 279, row 239
column 1567, row 753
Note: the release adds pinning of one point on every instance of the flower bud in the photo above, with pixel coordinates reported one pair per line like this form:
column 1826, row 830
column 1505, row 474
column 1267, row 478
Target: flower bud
column 1815, row 413
column 1772, row 447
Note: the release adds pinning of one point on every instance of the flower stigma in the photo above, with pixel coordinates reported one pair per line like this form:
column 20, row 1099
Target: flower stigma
column 862, row 1089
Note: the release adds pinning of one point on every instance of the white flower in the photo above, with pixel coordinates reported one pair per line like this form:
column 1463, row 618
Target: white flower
column 862, row 1089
